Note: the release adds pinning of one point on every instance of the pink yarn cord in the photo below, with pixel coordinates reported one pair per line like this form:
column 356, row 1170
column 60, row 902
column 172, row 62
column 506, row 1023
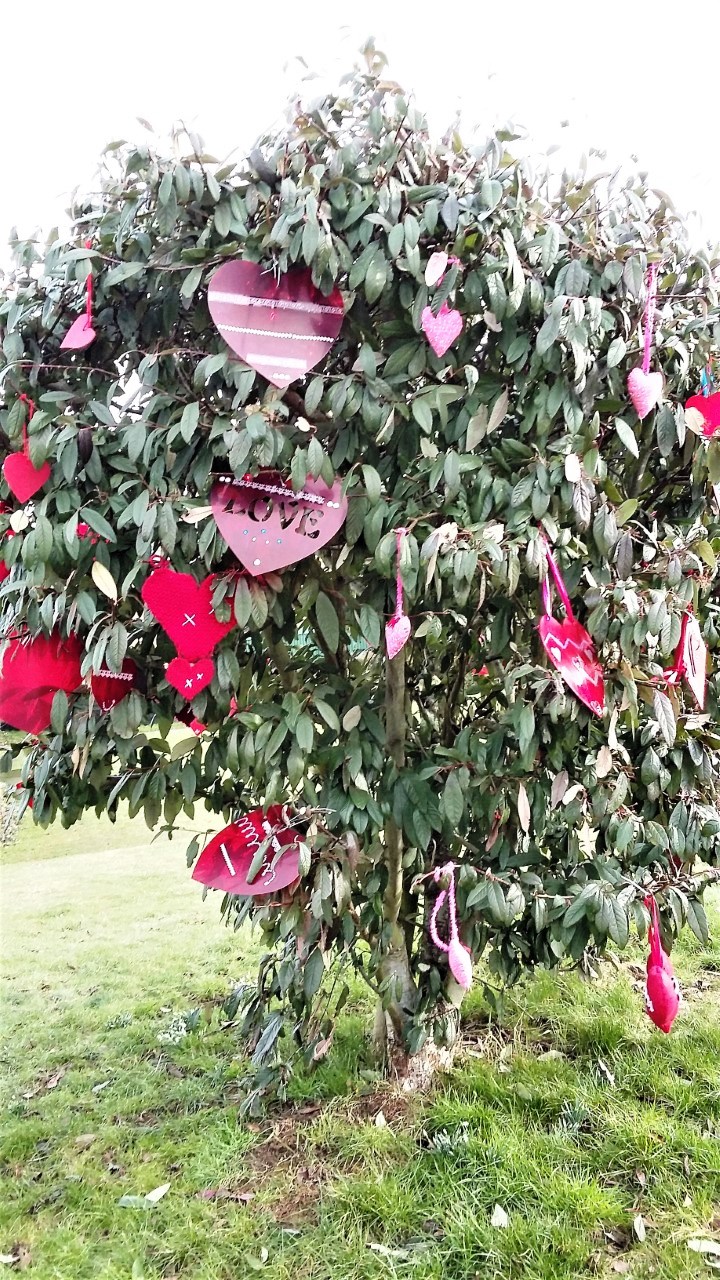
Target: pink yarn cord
column 399, row 535
column 650, row 315
column 449, row 895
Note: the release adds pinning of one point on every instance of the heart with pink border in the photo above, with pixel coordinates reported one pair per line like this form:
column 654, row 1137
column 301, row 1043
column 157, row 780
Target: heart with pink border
column 269, row 527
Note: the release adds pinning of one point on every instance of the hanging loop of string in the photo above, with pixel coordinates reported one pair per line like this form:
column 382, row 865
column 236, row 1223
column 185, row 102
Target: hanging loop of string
column 88, row 292
column 650, row 306
column 445, row 895
column 30, row 411
column 399, row 535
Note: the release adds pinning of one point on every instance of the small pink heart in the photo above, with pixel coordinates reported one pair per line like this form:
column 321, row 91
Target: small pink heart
column 441, row 330
column 189, row 678
column 460, row 962
column 24, row 479
column 397, row 634
column 645, row 390
column 79, row 335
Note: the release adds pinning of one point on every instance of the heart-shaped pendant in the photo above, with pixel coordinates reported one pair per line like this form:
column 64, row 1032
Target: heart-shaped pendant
column 460, row 962
column 442, row 329
column 33, row 669
column 183, row 607
column 22, row 477
column 269, row 527
column 645, row 391
column 281, row 327
column 709, row 409
column 570, row 649
column 226, row 861
column 190, row 678
column 79, row 335
column 110, row 687
column 397, row 634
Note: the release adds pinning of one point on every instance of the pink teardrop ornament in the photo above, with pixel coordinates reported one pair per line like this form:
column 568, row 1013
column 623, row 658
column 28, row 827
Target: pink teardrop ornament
column 645, row 391
column 397, row 634
column 460, row 963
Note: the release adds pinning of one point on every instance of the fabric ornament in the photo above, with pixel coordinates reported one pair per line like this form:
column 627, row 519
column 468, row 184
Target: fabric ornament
column 184, row 609
column 110, row 687
column 459, row 957
column 33, row 669
column 690, row 659
column 190, row 678
column 257, row 855
column 81, row 332
column 397, row 630
column 645, row 388
column 22, row 477
column 282, row 327
column 662, row 993
column 268, row 526
column 706, row 404
column 568, row 645
column 442, row 329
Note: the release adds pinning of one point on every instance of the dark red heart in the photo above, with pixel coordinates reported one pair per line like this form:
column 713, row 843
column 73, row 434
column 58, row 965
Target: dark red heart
column 570, row 649
column 269, row 531
column 709, row 407
column 110, row 687
column 23, row 479
column 189, row 678
column 183, row 607
column 281, row 327
column 225, row 862
column 33, row 669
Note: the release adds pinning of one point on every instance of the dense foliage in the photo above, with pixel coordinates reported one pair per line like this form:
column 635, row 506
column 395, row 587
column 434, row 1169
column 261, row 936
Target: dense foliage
column 467, row 745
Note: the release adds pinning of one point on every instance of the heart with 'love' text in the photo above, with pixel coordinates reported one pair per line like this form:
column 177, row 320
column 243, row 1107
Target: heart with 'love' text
column 261, row 845
column 269, row 527
column 570, row 649
column 184, row 609
column 281, row 326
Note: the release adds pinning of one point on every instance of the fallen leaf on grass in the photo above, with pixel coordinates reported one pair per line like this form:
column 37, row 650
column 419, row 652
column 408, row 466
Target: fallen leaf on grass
column 51, row 1082
column 499, row 1217
column 705, row 1246
column 639, row 1227
column 380, row 1121
column 20, row 1257
column 97, row 1088
column 144, row 1202
column 224, row 1193
column 621, row 1265
column 605, row 1071
column 84, row 1140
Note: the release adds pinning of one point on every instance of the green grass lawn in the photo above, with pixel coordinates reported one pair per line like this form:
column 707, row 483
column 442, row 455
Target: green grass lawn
column 574, row 1115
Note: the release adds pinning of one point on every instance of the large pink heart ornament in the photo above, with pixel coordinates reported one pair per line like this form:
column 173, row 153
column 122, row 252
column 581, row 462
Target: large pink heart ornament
column 442, row 329
column 269, row 527
column 645, row 391
column 570, row 649
column 79, row 335
column 226, row 862
column 281, row 326
column 709, row 409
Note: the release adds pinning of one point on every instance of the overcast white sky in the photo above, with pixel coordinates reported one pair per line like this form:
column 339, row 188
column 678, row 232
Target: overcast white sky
column 627, row 75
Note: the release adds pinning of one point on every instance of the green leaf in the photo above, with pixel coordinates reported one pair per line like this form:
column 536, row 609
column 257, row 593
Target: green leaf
column 697, row 920
column 665, row 716
column 59, row 712
column 125, row 271
column 327, row 621
column 627, row 436
column 453, row 799
column 375, row 277
column 313, row 973
column 550, row 329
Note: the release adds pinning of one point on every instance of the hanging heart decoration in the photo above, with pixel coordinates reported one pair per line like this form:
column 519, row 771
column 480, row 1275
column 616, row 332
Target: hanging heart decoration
column 22, row 477
column 81, row 332
column 459, row 957
column 110, row 687
column 442, row 329
column 269, row 527
column 33, row 669
column 190, row 678
column 705, row 407
column 690, row 659
column 645, row 388
column 184, row 609
column 662, row 993
column 398, row 629
column 569, row 646
column 261, row 846
column 281, row 326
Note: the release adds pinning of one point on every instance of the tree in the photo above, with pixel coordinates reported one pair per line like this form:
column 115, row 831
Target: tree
column 467, row 745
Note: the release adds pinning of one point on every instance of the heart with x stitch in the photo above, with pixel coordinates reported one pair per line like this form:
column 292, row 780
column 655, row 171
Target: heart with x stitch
column 183, row 607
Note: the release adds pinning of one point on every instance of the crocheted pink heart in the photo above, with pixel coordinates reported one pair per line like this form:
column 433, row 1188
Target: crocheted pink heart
column 645, row 390
column 79, row 335
column 460, row 962
column 441, row 330
column 397, row 634
column 24, row 479
column 189, row 678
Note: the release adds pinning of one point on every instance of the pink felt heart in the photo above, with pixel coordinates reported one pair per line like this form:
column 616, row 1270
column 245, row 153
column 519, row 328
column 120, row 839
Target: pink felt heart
column 110, row 687
column 460, row 962
column 79, row 335
column 24, row 479
column 183, row 607
column 226, row 861
column 397, row 633
column 571, row 650
column 271, row 530
column 645, row 390
column 709, row 408
column 282, row 327
column 190, row 678
column 442, row 329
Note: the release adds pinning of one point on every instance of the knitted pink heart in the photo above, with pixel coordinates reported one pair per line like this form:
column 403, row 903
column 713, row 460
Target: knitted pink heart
column 645, row 390
column 397, row 634
column 79, row 335
column 441, row 330
column 189, row 678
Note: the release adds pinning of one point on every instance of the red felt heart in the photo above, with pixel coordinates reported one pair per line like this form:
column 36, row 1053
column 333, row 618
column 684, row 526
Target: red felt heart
column 189, row 678
column 79, row 335
column 33, row 669
column 709, row 408
column 269, row 531
column 442, row 329
column 110, row 687
column 183, row 607
column 24, row 479
column 225, row 862
column 571, row 650
column 280, row 327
